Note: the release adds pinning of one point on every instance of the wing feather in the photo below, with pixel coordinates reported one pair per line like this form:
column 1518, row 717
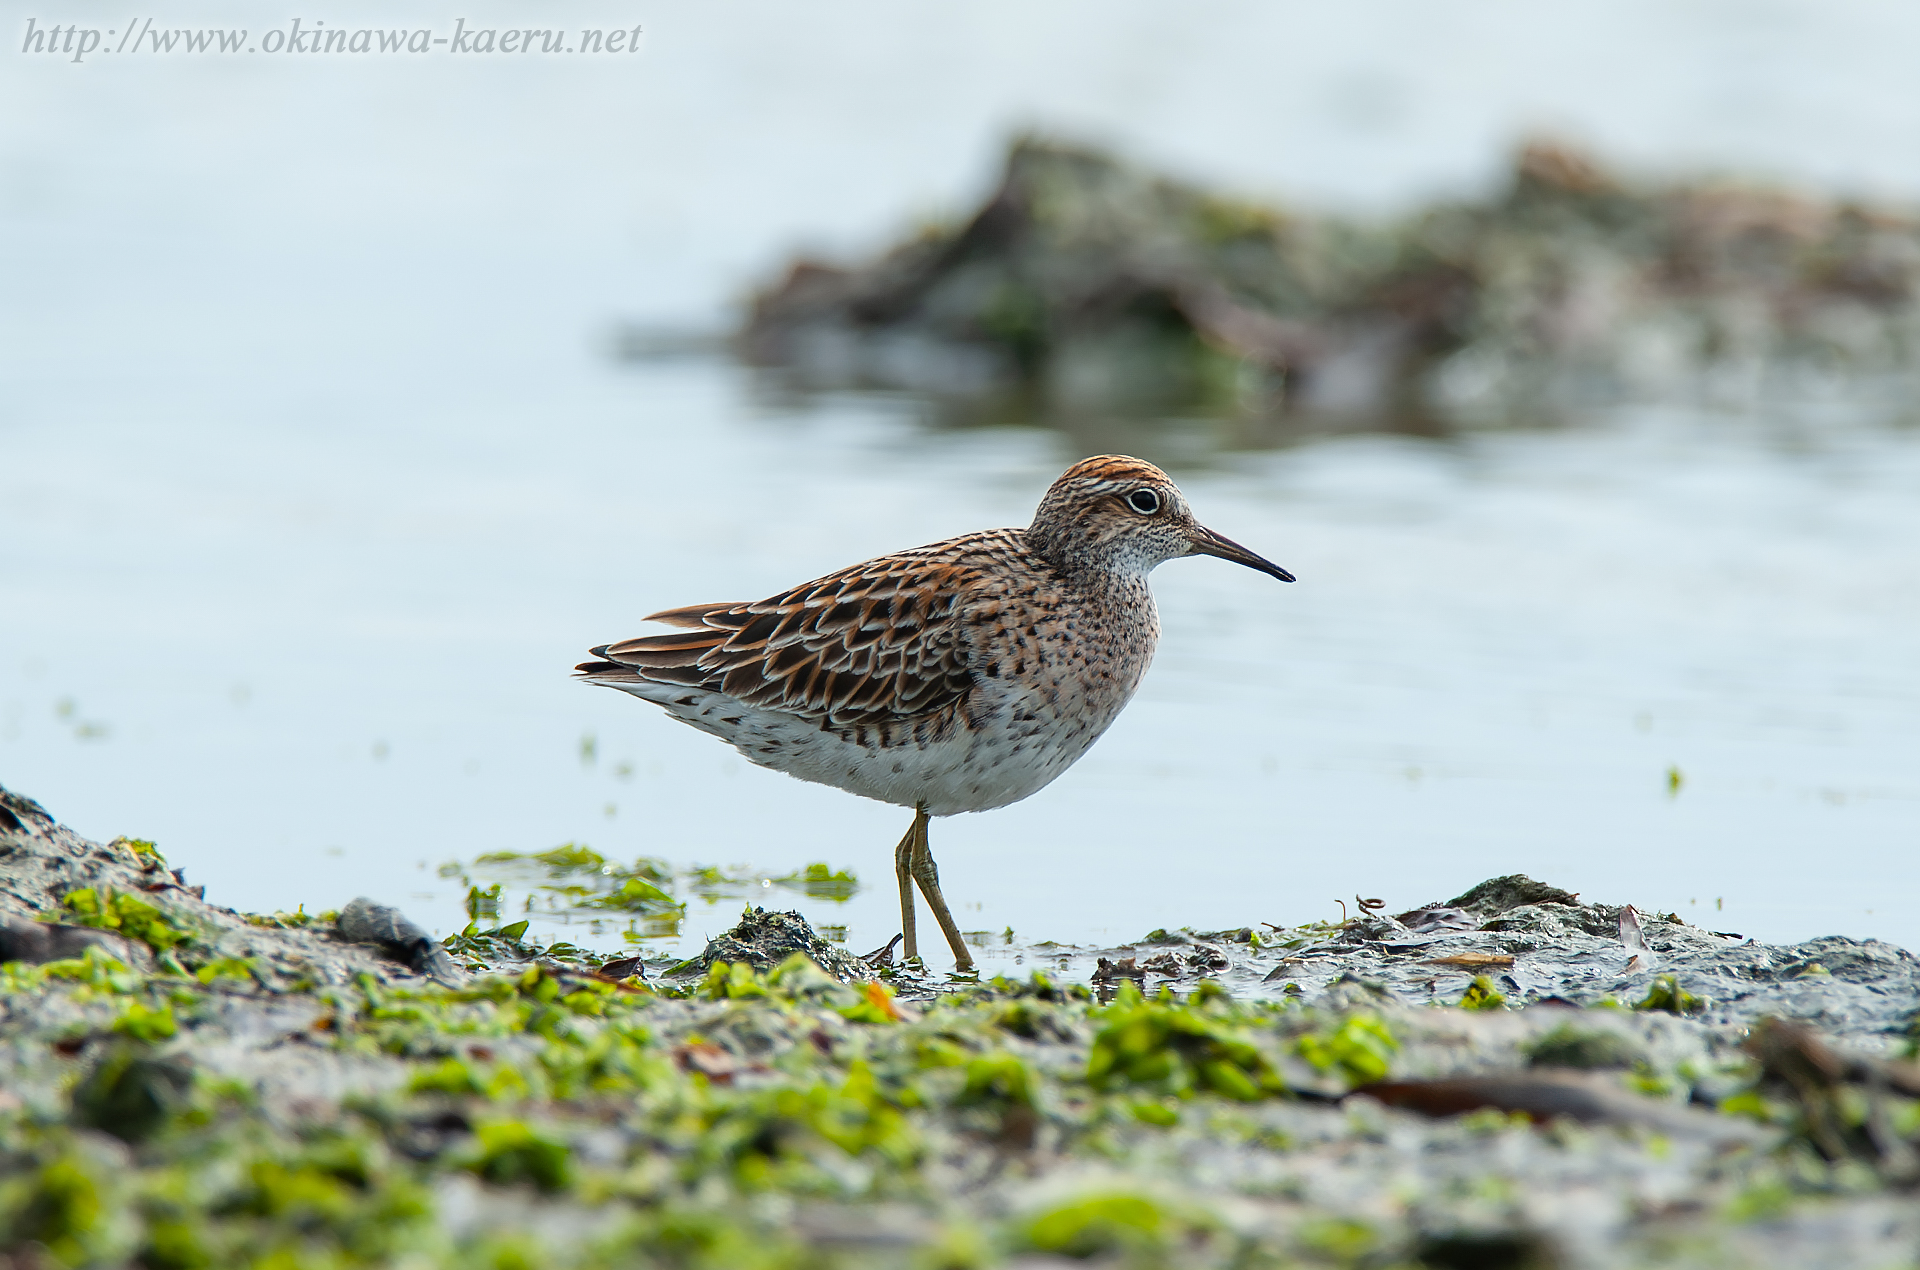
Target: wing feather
column 693, row 615
column 876, row 642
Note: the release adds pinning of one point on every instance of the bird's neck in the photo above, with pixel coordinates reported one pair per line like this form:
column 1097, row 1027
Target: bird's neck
column 1092, row 566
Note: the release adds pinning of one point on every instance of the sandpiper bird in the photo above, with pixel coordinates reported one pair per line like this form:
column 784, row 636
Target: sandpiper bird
column 959, row 676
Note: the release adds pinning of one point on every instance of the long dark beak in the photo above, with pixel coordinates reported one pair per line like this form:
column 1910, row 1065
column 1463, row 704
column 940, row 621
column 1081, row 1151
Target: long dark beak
column 1208, row 543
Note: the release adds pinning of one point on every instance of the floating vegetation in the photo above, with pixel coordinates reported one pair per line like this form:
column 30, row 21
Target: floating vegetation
column 821, row 882
column 637, row 895
column 647, row 899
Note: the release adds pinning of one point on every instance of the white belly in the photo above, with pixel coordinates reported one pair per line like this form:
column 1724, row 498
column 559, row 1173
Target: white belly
column 1015, row 746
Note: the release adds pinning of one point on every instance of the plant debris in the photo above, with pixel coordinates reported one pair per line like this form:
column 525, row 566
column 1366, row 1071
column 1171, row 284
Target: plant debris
column 573, row 885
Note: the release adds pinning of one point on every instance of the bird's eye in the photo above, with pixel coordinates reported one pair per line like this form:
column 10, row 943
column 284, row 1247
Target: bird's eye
column 1144, row 501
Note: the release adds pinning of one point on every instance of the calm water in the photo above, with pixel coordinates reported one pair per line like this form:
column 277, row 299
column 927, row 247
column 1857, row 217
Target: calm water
column 315, row 480
column 324, row 656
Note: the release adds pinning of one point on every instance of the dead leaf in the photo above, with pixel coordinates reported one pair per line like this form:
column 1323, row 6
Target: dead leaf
column 1472, row 959
column 1542, row 1096
column 709, row 1060
column 1635, row 939
column 880, row 997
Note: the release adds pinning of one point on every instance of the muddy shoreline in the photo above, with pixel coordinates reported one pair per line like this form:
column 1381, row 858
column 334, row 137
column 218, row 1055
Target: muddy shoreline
column 1514, row 1077
column 1084, row 284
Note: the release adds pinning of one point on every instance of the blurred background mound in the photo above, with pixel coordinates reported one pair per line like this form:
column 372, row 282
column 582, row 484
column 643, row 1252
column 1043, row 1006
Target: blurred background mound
column 1087, row 283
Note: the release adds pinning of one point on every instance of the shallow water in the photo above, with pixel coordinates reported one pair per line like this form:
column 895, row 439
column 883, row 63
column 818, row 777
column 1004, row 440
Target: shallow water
column 315, row 479
column 320, row 657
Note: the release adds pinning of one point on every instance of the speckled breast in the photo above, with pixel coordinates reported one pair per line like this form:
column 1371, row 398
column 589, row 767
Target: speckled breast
column 1053, row 667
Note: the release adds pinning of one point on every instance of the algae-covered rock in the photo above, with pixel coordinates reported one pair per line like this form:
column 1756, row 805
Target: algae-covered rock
column 1085, row 283
column 764, row 939
column 1480, row 1082
column 123, row 900
column 1497, row 895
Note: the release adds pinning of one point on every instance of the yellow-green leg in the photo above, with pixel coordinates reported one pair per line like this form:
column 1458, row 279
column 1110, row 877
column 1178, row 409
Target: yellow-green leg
column 927, row 874
column 903, row 866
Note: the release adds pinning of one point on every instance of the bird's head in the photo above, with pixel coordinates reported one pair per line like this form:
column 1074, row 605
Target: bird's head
column 1117, row 514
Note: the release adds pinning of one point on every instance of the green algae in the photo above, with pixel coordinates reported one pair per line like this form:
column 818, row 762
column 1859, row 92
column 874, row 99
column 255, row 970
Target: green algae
column 1584, row 1048
column 637, row 895
column 316, row 1104
column 129, row 914
column 548, row 1117
column 95, row 970
column 140, row 847
column 822, row 882
column 358, row 1188
column 145, row 1022
column 509, row 1153
column 1168, row 1047
column 1358, row 1048
column 1122, row 1223
column 299, row 919
column 65, row 1208
column 573, row 884
column 1666, row 994
column 1482, row 995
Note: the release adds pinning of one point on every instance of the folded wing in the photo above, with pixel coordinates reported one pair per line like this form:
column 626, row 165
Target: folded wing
column 875, row 642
